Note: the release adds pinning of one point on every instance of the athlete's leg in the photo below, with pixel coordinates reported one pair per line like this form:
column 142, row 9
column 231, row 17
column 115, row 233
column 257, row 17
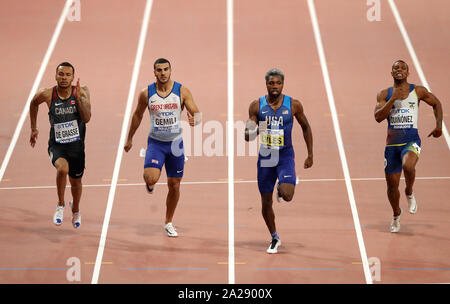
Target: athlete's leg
column 409, row 162
column 287, row 191
column 267, row 212
column 392, row 181
column 151, row 176
column 286, row 174
column 77, row 189
column 62, row 170
column 173, row 183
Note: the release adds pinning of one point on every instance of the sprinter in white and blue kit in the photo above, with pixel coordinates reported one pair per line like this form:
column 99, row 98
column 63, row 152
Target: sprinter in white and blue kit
column 164, row 99
column 399, row 105
column 272, row 116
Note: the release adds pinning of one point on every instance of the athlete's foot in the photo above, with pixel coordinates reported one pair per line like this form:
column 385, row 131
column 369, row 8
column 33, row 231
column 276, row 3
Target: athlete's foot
column 76, row 217
column 412, row 204
column 150, row 189
column 273, row 247
column 279, row 196
column 395, row 223
column 58, row 216
column 170, row 229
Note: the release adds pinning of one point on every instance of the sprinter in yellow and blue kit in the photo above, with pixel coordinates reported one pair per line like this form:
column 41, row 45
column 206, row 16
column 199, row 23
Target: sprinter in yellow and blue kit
column 399, row 105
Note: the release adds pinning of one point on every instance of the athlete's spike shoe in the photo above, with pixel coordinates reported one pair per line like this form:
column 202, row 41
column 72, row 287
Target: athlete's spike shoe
column 149, row 190
column 170, row 229
column 279, row 197
column 412, row 204
column 273, row 247
column 395, row 223
column 59, row 215
column 76, row 217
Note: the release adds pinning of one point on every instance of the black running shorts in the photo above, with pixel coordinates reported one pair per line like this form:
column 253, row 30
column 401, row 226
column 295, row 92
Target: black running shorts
column 75, row 158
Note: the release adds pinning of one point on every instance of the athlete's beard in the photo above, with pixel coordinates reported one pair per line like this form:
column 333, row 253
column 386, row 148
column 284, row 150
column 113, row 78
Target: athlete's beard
column 274, row 96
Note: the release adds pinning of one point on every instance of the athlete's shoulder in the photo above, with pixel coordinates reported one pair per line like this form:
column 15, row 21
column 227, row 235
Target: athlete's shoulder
column 296, row 106
column 420, row 90
column 382, row 94
column 143, row 94
column 44, row 95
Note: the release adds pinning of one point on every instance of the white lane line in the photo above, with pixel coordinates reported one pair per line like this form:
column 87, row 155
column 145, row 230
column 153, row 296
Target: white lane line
column 223, row 182
column 34, row 88
column 415, row 60
column 337, row 130
column 230, row 141
column 126, row 119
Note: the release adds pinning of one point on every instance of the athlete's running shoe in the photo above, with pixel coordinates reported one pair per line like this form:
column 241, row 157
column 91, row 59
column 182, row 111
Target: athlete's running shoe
column 412, row 204
column 59, row 215
column 273, row 248
column 170, row 229
column 149, row 190
column 76, row 217
column 395, row 223
column 279, row 196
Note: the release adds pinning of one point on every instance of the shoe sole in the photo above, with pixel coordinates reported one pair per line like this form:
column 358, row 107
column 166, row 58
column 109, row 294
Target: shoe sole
column 275, row 250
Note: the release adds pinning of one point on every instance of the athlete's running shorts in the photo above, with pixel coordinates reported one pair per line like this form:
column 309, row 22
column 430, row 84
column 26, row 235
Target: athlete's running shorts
column 393, row 155
column 75, row 157
column 170, row 154
column 282, row 168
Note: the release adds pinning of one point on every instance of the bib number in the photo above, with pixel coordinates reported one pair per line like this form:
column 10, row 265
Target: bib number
column 273, row 138
column 67, row 132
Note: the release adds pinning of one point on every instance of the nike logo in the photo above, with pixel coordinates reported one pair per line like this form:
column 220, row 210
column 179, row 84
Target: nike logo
column 287, row 176
column 58, row 104
column 179, row 171
column 78, row 174
column 264, row 112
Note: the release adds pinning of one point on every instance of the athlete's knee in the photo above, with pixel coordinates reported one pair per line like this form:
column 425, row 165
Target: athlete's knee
column 408, row 168
column 287, row 191
column 62, row 170
column 76, row 182
column 173, row 184
column 150, row 179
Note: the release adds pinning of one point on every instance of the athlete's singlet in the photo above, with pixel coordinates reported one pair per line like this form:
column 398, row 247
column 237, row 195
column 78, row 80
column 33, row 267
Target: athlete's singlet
column 165, row 113
column 402, row 120
column 279, row 124
column 67, row 127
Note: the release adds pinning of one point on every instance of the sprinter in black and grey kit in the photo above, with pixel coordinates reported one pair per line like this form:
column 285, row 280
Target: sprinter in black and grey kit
column 69, row 111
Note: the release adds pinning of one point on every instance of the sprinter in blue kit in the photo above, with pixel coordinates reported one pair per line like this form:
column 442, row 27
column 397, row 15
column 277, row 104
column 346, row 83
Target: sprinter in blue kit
column 164, row 99
column 399, row 105
column 272, row 117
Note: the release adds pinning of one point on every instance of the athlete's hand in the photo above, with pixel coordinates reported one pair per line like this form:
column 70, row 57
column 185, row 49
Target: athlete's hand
column 33, row 137
column 308, row 162
column 396, row 93
column 128, row 145
column 190, row 119
column 437, row 132
column 78, row 91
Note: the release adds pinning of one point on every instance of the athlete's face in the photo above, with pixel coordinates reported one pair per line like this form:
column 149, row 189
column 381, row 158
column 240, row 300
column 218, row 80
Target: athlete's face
column 400, row 70
column 274, row 86
column 162, row 72
column 64, row 76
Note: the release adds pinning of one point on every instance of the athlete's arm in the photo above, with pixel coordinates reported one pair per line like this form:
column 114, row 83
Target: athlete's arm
column 430, row 99
column 84, row 102
column 191, row 107
column 297, row 111
column 383, row 108
column 251, row 127
column 137, row 118
column 43, row 95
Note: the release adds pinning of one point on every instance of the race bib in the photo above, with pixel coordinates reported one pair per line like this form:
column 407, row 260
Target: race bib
column 401, row 118
column 67, row 132
column 272, row 138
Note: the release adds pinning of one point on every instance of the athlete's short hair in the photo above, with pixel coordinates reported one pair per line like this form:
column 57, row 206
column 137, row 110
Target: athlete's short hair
column 66, row 64
column 159, row 61
column 274, row 72
column 400, row 60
